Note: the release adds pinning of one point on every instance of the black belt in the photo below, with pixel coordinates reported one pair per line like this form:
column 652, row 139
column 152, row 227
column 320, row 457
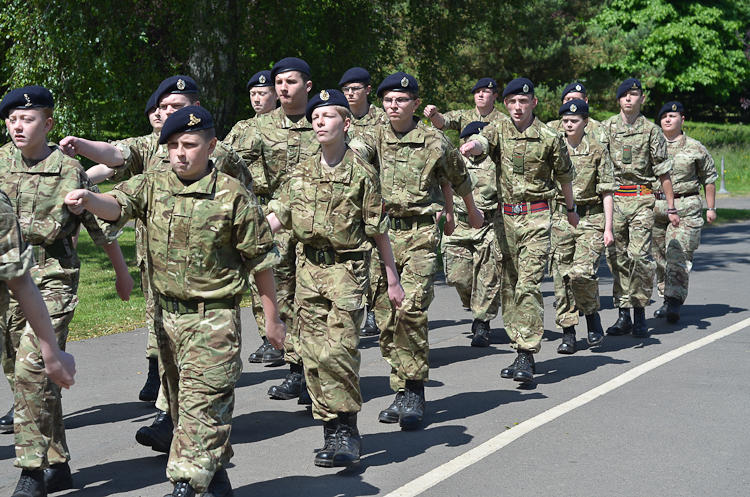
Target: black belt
column 330, row 256
column 583, row 210
column 178, row 306
column 662, row 196
column 407, row 223
column 464, row 218
column 55, row 250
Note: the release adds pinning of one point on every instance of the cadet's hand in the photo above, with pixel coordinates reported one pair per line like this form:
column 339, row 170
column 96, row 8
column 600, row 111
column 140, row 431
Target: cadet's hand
column 573, row 219
column 476, row 218
column 674, row 219
column 69, row 146
column 710, row 216
column 430, row 111
column 276, row 332
column 76, row 201
column 450, row 222
column 470, row 148
column 124, row 286
column 609, row 238
column 61, row 369
column 396, row 294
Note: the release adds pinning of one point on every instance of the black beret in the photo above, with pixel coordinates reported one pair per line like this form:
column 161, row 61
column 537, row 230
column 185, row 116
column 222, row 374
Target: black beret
column 472, row 128
column 289, row 64
column 28, row 97
column 355, row 75
column 176, row 84
column 519, row 86
column 325, row 98
column 190, row 118
column 262, row 78
column 627, row 85
column 575, row 106
column 673, row 106
column 152, row 102
column 573, row 87
column 485, row 83
column 399, row 81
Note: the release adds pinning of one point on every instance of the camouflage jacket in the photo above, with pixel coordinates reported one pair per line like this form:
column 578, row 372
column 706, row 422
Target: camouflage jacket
column 638, row 152
column 16, row 257
column 458, row 119
column 375, row 115
column 412, row 168
column 594, row 171
column 692, row 166
column 202, row 238
column 482, row 168
column 528, row 163
column 594, row 129
column 332, row 207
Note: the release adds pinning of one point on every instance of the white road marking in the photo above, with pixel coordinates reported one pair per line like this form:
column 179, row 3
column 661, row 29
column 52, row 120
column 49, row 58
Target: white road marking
column 491, row 446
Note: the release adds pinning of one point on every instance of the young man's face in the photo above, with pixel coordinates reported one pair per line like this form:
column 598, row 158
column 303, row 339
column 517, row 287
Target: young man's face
column 188, row 154
column 172, row 102
column 292, row 89
column 263, row 99
column 574, row 124
column 672, row 121
column 154, row 117
column 329, row 126
column 400, row 105
column 484, row 97
column 28, row 128
column 520, row 107
column 632, row 101
column 356, row 93
column 575, row 95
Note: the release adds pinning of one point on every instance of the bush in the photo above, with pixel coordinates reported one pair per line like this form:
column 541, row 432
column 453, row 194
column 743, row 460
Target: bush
column 719, row 135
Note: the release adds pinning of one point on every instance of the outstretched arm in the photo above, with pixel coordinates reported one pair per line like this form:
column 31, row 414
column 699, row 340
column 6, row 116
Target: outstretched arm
column 99, row 173
column 103, row 206
column 100, row 152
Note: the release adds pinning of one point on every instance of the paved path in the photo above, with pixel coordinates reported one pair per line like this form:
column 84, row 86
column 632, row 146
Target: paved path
column 674, row 427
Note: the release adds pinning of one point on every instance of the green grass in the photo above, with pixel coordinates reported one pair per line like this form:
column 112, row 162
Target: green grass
column 726, row 216
column 736, row 167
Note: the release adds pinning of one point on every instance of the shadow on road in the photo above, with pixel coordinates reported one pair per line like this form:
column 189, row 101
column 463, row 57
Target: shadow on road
column 109, row 413
column 119, row 476
column 341, row 483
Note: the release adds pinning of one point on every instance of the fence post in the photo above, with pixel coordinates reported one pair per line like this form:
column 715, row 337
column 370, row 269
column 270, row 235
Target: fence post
column 723, row 187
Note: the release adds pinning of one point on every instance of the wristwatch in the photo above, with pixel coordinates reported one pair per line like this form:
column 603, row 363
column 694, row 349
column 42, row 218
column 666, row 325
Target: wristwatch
column 571, row 209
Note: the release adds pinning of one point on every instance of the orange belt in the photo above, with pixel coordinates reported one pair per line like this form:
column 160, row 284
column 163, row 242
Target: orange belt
column 633, row 190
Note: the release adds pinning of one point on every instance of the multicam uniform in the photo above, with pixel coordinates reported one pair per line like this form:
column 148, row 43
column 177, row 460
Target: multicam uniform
column 203, row 239
column 639, row 156
column 458, row 119
column 576, row 252
column 412, row 168
column 36, row 192
column 334, row 212
column 593, row 129
column 528, row 164
column 692, row 166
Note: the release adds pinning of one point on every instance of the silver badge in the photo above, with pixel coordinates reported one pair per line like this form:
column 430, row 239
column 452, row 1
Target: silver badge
column 489, row 85
column 517, row 209
column 525, row 88
column 573, row 108
column 262, row 79
column 405, row 82
column 578, row 87
column 28, row 100
column 324, row 96
column 180, row 84
column 674, row 106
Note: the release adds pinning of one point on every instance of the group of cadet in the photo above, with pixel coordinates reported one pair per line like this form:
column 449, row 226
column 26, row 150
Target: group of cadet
column 298, row 197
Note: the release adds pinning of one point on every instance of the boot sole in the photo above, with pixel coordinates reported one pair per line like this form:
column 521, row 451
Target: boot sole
column 480, row 343
column 279, row 396
column 255, row 360
column 388, row 418
column 618, row 331
column 324, row 463
column 566, row 350
column 523, row 378
column 344, row 464
column 147, row 440
column 7, row 429
column 596, row 342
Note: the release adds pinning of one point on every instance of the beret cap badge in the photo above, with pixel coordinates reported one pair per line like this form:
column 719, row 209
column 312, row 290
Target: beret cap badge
column 405, row 82
column 489, row 85
column 674, row 106
column 573, row 108
column 578, row 88
column 180, row 84
column 262, row 79
column 193, row 120
column 28, row 100
column 324, row 96
column 525, row 88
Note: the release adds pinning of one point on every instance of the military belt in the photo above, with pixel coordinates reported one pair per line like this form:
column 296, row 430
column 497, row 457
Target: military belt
column 464, row 218
column 330, row 256
column 662, row 196
column 61, row 248
column 583, row 210
column 633, row 190
column 407, row 223
column 178, row 306
column 523, row 208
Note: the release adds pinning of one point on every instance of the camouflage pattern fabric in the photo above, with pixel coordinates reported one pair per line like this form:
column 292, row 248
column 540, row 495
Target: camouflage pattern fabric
column 562, row 252
column 375, row 115
column 458, row 119
column 583, row 279
column 593, row 129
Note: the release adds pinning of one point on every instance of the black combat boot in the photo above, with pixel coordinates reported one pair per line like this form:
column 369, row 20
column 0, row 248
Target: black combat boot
column 220, row 485
column 304, row 396
column 392, row 413
column 623, row 325
column 525, row 367
column 6, row 422
column 412, row 411
column 481, row 334
column 150, row 390
column 348, row 441
column 291, row 387
column 158, row 436
column 31, row 484
column 596, row 333
column 257, row 356
column 510, row 370
column 568, row 345
column 640, row 328
column 324, row 457
column 370, row 329
column 673, row 309
column 661, row 312
column 182, row 489
column 58, row 478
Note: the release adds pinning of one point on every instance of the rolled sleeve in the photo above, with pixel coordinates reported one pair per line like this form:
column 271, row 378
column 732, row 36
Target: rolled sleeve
column 659, row 156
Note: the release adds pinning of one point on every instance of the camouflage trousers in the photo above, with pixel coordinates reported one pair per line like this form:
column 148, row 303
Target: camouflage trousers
column 200, row 353
column 577, row 253
column 403, row 337
column 152, row 346
column 39, row 427
column 629, row 258
column 378, row 281
column 524, row 244
column 673, row 248
column 330, row 300
column 284, row 275
column 470, row 267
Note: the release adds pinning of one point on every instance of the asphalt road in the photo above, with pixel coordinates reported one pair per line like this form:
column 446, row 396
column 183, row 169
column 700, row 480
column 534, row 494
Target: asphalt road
column 630, row 417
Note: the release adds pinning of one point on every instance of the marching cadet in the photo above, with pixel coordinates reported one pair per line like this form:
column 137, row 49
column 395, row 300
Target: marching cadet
column 577, row 91
column 673, row 246
column 36, row 176
column 263, row 97
column 417, row 167
column 530, row 157
column 469, row 253
column 576, row 252
column 205, row 234
column 134, row 156
column 485, row 93
column 639, row 155
column 356, row 85
column 343, row 193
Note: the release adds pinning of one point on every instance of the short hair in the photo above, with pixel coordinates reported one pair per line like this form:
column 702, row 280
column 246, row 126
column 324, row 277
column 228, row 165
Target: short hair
column 208, row 134
column 47, row 112
column 193, row 97
column 343, row 111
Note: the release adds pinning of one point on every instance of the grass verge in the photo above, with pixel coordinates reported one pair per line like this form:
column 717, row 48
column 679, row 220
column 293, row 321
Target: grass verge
column 726, row 216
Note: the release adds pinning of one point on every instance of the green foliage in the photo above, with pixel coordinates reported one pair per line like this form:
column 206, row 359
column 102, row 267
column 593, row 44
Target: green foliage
column 719, row 135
